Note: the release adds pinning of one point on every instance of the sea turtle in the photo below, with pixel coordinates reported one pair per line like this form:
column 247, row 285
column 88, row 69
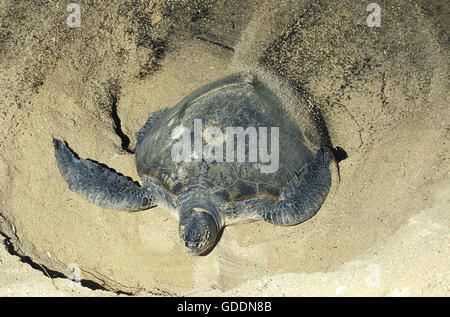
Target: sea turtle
column 205, row 190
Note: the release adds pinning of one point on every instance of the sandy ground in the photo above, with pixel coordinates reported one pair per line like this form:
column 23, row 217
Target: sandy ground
column 383, row 93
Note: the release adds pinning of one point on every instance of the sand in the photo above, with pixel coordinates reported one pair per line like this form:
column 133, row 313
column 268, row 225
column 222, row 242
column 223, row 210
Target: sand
column 383, row 94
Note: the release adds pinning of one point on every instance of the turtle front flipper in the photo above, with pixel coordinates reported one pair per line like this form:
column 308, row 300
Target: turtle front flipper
column 99, row 184
column 300, row 199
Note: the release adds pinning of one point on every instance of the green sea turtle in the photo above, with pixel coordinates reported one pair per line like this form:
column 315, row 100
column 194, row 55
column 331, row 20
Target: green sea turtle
column 204, row 191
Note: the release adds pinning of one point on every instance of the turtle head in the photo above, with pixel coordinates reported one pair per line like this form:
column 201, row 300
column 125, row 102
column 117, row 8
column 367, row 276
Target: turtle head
column 199, row 230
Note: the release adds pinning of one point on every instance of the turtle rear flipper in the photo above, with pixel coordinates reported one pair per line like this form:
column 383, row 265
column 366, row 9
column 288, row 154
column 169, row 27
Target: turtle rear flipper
column 301, row 198
column 99, row 184
column 304, row 194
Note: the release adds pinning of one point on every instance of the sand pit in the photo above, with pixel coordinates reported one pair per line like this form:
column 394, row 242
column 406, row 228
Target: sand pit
column 383, row 94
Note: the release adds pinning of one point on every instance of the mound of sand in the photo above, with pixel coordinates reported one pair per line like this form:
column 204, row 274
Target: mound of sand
column 383, row 93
